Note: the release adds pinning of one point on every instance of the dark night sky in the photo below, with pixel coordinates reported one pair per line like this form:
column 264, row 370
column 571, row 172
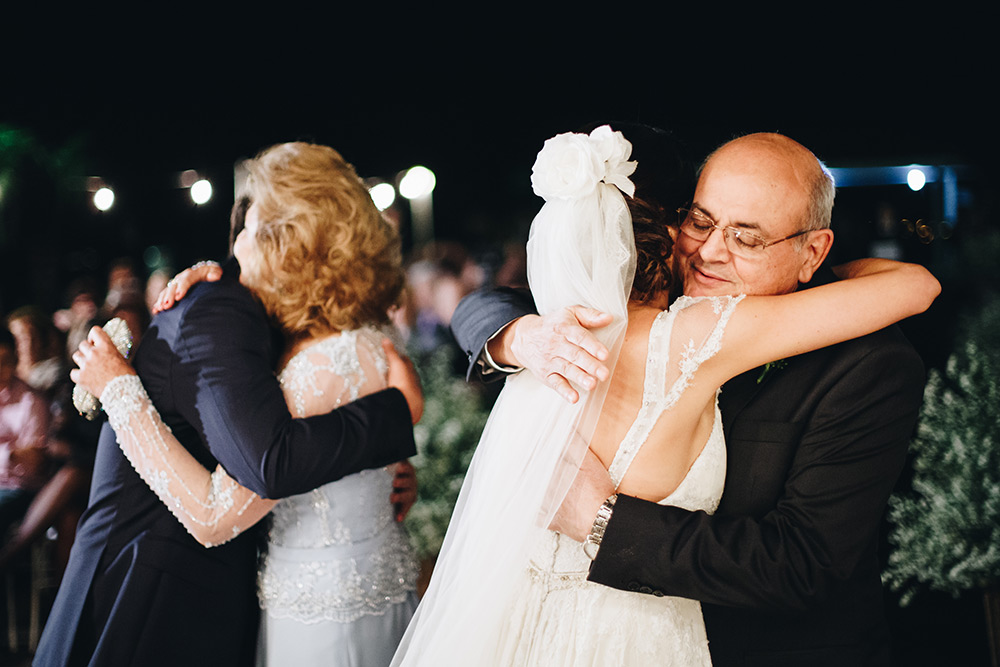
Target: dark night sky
column 476, row 113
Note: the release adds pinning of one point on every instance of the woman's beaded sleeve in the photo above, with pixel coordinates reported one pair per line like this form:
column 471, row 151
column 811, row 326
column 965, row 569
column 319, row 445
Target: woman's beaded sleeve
column 213, row 507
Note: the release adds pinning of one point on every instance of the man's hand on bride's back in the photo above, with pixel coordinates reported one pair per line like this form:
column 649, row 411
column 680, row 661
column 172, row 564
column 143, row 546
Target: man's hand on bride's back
column 179, row 285
column 403, row 376
column 558, row 348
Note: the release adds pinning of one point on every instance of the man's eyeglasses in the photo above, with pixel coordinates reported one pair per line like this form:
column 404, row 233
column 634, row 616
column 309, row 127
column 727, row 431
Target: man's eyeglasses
column 745, row 243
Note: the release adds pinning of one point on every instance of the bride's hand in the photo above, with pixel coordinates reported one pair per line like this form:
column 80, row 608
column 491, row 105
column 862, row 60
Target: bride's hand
column 403, row 376
column 557, row 348
column 99, row 362
column 185, row 280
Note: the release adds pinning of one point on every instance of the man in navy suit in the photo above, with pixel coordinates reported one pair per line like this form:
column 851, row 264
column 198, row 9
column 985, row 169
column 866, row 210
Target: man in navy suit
column 138, row 589
column 787, row 568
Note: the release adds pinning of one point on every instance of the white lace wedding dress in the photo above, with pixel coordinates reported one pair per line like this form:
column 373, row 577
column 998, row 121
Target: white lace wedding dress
column 338, row 579
column 560, row 618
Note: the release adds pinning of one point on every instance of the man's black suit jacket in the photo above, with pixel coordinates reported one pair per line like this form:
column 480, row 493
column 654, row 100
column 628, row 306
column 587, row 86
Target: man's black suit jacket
column 138, row 590
column 787, row 568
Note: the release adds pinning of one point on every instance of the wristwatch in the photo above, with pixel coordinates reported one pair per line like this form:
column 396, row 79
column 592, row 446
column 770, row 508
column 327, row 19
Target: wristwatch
column 593, row 541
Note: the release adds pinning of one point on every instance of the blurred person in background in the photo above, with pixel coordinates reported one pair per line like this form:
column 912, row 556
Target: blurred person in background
column 123, row 283
column 438, row 277
column 41, row 362
column 75, row 320
column 24, row 426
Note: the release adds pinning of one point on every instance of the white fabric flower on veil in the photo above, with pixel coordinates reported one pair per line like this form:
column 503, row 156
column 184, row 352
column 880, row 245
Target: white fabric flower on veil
column 570, row 165
column 615, row 150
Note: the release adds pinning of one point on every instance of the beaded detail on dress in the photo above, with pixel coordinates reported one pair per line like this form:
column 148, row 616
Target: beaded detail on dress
column 336, row 553
column 212, row 507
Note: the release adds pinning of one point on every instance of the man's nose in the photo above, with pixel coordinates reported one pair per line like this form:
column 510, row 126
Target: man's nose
column 714, row 248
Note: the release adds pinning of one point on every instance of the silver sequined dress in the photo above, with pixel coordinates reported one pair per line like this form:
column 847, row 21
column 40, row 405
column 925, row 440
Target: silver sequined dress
column 337, row 582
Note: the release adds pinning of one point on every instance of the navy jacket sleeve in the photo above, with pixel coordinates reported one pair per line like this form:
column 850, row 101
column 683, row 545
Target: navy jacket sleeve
column 481, row 314
column 801, row 526
column 223, row 383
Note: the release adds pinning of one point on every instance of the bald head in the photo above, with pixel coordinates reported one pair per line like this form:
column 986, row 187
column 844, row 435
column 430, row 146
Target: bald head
column 787, row 164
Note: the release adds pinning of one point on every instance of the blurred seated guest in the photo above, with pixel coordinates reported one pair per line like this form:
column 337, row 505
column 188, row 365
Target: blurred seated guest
column 438, row 277
column 40, row 359
column 57, row 504
column 81, row 313
column 24, row 425
column 123, row 284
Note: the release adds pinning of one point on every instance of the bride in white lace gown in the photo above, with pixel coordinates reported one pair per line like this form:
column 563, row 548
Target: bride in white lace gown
column 337, row 581
column 600, row 625
column 507, row 591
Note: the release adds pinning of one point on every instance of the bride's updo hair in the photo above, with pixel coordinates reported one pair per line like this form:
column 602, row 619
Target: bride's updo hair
column 654, row 247
column 663, row 183
column 328, row 259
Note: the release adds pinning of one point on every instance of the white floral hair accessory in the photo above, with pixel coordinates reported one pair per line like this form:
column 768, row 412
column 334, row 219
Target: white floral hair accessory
column 570, row 165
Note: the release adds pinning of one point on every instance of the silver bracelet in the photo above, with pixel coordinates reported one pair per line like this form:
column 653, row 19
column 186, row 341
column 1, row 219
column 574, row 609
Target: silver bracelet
column 593, row 541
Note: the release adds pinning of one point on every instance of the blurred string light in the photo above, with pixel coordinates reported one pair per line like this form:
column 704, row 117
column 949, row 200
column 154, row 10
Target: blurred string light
column 104, row 198
column 201, row 191
column 417, row 185
column 383, row 194
column 417, row 182
column 916, row 179
column 198, row 187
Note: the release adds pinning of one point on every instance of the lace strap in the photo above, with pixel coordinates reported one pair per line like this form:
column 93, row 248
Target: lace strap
column 654, row 401
column 652, row 395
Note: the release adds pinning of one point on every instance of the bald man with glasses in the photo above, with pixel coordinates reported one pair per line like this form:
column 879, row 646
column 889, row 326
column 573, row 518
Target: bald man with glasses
column 787, row 569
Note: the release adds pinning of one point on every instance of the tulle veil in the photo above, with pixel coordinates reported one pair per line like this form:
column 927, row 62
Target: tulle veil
column 581, row 251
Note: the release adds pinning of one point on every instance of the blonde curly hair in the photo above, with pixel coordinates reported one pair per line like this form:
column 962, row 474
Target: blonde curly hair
column 328, row 259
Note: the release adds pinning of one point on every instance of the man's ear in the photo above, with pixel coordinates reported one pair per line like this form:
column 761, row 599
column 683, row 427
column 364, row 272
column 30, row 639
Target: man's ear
column 815, row 250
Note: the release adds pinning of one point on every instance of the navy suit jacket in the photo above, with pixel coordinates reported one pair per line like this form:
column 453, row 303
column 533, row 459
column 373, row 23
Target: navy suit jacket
column 787, row 568
column 138, row 590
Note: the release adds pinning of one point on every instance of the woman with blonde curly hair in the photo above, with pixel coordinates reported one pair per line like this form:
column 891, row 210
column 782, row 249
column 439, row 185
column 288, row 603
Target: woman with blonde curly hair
column 337, row 580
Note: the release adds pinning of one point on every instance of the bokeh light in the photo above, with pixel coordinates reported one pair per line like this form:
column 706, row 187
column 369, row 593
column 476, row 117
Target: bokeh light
column 104, row 198
column 383, row 194
column 418, row 182
column 201, row 191
column 916, row 179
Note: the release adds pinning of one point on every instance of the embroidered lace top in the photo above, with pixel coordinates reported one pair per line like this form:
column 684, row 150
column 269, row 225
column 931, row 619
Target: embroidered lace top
column 334, row 553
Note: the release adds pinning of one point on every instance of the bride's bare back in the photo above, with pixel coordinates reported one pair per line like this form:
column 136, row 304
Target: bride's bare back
column 680, row 433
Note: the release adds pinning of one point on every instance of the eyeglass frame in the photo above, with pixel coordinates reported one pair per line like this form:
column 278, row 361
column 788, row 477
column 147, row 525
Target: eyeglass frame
column 734, row 232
